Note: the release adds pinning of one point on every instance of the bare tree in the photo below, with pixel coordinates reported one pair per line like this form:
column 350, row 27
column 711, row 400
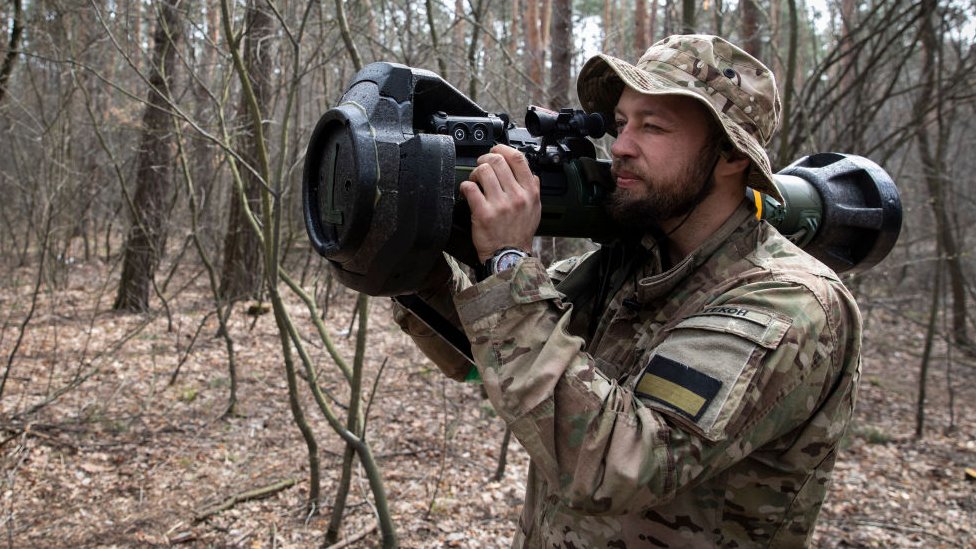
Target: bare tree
column 534, row 56
column 641, row 32
column 667, row 25
column 719, row 17
column 147, row 236
column 932, row 162
column 545, row 28
column 434, row 38
column 562, row 53
column 652, row 24
column 292, row 342
column 478, row 14
column 513, row 28
column 749, row 27
column 458, row 51
column 688, row 17
column 789, row 85
column 933, row 133
column 834, row 111
column 357, row 60
column 241, row 273
column 13, row 42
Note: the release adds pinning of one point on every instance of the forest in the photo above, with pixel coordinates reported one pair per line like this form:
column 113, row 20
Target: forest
column 179, row 367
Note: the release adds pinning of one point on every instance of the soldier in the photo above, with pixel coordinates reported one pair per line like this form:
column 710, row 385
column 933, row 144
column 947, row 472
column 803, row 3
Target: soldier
column 688, row 384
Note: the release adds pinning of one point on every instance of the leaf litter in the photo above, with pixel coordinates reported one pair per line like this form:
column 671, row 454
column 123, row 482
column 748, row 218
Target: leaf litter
column 123, row 459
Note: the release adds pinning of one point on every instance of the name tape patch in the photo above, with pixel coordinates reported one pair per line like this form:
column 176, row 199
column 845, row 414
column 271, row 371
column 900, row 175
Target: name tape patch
column 739, row 312
column 678, row 386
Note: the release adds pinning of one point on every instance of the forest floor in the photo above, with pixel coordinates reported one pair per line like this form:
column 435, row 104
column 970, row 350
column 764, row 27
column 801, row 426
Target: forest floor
column 123, row 458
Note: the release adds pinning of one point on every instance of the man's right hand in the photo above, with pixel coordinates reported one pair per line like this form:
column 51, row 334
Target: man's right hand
column 503, row 194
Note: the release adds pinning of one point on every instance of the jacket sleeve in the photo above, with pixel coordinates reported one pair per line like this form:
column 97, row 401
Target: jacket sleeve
column 447, row 280
column 604, row 448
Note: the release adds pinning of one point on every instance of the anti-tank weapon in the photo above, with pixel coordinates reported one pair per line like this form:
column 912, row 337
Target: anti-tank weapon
column 382, row 169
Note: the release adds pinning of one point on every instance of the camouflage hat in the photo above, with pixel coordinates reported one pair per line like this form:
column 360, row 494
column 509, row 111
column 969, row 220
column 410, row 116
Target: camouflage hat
column 737, row 89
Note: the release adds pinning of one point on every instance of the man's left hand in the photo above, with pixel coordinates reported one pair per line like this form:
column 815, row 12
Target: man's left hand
column 503, row 194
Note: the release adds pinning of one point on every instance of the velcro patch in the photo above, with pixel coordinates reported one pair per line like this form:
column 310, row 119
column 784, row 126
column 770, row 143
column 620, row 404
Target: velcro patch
column 678, row 386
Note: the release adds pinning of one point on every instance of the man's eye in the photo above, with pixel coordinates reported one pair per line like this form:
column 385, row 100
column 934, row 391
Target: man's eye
column 619, row 124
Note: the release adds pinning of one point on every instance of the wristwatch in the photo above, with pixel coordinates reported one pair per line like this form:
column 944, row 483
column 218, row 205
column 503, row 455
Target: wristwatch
column 502, row 259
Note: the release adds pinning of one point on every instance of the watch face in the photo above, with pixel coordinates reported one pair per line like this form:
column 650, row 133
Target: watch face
column 507, row 260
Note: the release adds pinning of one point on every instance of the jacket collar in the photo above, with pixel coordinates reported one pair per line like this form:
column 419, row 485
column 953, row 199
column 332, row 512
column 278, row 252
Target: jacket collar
column 743, row 219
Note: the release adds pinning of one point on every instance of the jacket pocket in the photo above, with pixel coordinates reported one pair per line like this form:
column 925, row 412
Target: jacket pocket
column 701, row 374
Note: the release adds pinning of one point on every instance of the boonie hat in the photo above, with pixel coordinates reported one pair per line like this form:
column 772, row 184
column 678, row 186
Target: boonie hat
column 737, row 89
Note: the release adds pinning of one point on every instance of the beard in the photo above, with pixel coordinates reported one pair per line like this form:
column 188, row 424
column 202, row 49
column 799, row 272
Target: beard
column 662, row 198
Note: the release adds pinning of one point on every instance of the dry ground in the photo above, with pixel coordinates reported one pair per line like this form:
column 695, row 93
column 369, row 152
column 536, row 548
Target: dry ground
column 126, row 460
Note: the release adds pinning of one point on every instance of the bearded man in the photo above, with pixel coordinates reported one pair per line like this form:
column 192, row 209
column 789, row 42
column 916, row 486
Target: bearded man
column 688, row 384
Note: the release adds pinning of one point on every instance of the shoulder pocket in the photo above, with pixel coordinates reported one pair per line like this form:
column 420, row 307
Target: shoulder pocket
column 701, row 374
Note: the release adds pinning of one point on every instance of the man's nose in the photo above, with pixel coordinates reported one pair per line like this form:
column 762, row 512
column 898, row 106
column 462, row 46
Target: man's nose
column 624, row 146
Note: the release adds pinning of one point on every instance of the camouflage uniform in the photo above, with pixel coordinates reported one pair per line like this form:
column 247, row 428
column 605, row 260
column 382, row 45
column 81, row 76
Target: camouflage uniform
column 706, row 407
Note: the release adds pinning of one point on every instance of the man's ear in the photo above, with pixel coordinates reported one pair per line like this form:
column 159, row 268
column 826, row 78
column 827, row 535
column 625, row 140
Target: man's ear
column 731, row 161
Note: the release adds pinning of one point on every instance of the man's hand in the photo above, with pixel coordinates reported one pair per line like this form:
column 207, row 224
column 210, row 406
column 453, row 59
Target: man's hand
column 505, row 208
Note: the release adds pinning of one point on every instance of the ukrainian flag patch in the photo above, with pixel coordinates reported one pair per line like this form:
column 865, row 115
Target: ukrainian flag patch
column 678, row 386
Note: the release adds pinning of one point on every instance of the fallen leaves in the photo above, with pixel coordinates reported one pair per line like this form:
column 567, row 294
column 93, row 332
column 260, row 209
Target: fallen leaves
column 125, row 460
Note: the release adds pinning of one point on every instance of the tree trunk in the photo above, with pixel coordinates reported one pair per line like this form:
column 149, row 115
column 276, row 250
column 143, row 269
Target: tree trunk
column 562, row 53
column 848, row 17
column 751, row 39
column 357, row 61
column 669, row 15
column 719, row 18
column 775, row 34
column 533, row 52
column 241, row 275
column 513, row 35
column 652, row 25
column 474, row 82
column 133, row 17
column 366, row 10
column 16, row 31
column 147, row 236
column 355, row 422
column 204, row 156
column 435, row 39
column 458, row 48
column 789, row 88
column 688, row 17
column 545, row 24
column 923, row 371
column 640, row 27
column 934, row 163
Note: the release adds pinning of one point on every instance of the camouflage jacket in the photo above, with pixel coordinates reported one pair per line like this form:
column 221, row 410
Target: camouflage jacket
column 705, row 411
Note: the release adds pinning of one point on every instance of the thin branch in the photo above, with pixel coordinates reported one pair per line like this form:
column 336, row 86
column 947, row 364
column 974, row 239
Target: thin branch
column 241, row 497
column 357, row 61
